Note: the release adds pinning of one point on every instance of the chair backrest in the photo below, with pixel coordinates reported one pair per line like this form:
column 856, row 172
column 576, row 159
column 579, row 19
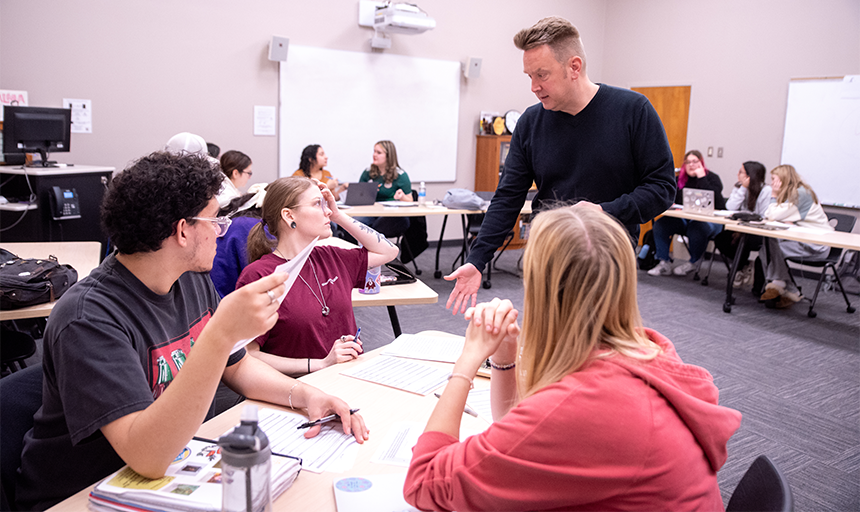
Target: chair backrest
column 844, row 222
column 20, row 398
column 762, row 488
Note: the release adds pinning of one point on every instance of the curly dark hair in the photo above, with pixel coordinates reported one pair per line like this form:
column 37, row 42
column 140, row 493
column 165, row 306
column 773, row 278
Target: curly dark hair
column 146, row 200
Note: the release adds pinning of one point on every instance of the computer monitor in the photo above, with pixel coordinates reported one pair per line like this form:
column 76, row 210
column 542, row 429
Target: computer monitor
column 40, row 130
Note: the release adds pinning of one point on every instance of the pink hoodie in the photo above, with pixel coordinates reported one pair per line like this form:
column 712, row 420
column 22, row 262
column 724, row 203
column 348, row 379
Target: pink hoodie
column 618, row 435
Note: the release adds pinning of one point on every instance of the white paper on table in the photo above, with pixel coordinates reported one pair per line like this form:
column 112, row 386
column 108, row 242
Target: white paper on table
column 330, row 450
column 814, row 231
column 397, row 445
column 379, row 493
column 429, row 348
column 479, row 401
column 400, row 373
column 292, row 267
column 724, row 213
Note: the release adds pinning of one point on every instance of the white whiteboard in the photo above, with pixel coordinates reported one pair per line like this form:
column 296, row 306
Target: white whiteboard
column 347, row 101
column 822, row 137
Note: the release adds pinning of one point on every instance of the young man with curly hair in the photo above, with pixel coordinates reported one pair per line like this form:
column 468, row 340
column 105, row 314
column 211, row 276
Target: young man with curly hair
column 113, row 391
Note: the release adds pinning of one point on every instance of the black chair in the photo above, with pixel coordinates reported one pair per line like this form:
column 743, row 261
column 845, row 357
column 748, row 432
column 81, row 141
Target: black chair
column 844, row 223
column 762, row 488
column 17, row 346
column 20, row 398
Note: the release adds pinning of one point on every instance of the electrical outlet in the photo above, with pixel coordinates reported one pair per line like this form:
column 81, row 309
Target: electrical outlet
column 719, row 152
column 711, row 151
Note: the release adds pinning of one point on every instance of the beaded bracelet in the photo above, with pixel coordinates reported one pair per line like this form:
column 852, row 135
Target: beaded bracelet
column 460, row 375
column 291, row 394
column 501, row 367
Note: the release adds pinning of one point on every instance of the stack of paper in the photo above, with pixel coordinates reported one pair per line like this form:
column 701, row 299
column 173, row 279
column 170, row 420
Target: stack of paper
column 445, row 349
column 192, row 482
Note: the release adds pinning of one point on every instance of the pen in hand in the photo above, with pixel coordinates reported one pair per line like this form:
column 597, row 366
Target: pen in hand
column 468, row 410
column 330, row 417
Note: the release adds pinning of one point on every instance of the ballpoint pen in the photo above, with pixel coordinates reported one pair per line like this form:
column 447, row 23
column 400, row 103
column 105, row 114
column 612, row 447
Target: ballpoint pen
column 468, row 410
column 330, row 417
column 357, row 334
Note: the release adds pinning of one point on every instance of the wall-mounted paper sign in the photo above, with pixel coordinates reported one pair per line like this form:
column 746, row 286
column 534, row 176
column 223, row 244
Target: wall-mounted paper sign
column 82, row 114
column 264, row 120
column 8, row 97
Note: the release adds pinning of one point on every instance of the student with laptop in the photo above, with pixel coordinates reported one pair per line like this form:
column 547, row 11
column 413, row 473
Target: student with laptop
column 592, row 410
column 693, row 175
column 393, row 185
column 316, row 326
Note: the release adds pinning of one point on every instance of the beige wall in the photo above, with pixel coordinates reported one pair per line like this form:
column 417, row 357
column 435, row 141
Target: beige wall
column 159, row 67
column 738, row 56
column 156, row 68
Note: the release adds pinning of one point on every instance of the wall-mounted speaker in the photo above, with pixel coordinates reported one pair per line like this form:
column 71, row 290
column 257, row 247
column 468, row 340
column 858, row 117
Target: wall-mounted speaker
column 472, row 68
column 278, row 47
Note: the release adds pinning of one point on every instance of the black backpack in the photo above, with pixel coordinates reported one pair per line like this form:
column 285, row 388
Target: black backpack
column 29, row 281
column 647, row 257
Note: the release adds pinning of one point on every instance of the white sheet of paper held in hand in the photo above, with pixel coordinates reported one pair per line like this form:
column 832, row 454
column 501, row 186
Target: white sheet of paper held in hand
column 292, row 267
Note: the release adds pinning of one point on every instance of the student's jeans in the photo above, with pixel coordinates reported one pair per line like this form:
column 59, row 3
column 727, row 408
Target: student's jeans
column 698, row 234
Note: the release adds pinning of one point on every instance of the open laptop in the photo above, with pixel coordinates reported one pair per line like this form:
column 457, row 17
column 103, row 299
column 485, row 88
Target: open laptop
column 699, row 201
column 361, row 194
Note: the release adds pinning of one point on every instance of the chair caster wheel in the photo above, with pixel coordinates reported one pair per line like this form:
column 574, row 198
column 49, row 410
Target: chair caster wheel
column 487, row 285
column 705, row 282
column 696, row 277
column 727, row 308
column 418, row 272
column 850, row 309
column 437, row 274
column 811, row 314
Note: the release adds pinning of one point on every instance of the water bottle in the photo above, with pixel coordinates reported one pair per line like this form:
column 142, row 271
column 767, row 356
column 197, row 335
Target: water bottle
column 246, row 466
column 422, row 194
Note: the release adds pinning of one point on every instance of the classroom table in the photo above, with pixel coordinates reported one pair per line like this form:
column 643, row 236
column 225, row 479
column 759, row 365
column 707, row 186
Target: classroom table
column 389, row 295
column 381, row 408
column 849, row 241
column 82, row 256
column 380, row 210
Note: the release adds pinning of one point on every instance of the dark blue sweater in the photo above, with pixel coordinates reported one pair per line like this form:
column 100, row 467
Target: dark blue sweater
column 613, row 153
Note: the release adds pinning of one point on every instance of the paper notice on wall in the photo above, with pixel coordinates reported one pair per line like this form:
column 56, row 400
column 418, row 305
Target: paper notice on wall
column 9, row 97
column 264, row 120
column 82, row 114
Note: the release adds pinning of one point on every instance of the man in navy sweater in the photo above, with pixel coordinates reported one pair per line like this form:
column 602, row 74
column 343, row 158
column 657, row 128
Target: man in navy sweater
column 599, row 146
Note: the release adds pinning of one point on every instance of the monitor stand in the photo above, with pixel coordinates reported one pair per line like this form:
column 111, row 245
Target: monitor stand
column 44, row 162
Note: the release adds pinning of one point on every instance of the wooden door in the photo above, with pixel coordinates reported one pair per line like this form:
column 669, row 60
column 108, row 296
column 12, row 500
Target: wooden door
column 673, row 106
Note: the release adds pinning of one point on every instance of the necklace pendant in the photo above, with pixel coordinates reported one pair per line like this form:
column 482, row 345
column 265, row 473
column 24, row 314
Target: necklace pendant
column 325, row 310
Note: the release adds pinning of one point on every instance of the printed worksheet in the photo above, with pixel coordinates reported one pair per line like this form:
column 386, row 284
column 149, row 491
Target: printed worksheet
column 400, row 373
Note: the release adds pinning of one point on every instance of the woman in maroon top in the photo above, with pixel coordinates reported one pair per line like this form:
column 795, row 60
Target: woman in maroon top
column 316, row 325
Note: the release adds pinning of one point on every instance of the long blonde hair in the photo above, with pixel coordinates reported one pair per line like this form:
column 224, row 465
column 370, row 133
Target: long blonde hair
column 389, row 174
column 281, row 193
column 579, row 274
column 790, row 181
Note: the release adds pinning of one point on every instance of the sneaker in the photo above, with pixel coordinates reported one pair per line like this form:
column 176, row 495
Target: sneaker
column 769, row 294
column 784, row 302
column 743, row 277
column 684, row 269
column 664, row 268
column 794, row 296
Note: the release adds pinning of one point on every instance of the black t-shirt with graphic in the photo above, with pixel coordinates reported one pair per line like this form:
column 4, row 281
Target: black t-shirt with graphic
column 111, row 347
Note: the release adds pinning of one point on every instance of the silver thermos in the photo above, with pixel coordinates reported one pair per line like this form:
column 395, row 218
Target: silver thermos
column 246, row 466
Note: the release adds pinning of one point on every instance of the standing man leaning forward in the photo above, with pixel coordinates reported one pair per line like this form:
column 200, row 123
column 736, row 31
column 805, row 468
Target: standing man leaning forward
column 113, row 391
column 600, row 145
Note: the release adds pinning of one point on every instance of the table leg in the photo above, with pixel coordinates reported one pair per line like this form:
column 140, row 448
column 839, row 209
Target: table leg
column 395, row 323
column 727, row 306
column 438, row 273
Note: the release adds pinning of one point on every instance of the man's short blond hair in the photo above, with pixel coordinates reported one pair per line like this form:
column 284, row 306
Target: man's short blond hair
column 556, row 32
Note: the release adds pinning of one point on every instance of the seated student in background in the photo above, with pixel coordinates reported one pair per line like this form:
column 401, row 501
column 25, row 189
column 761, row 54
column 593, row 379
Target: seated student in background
column 316, row 325
column 592, row 410
column 231, row 255
column 134, row 352
column 792, row 201
column 312, row 165
column 750, row 194
column 394, row 185
column 693, row 174
column 237, row 167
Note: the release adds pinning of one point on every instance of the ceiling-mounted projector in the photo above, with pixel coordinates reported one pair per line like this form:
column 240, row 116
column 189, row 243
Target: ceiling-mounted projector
column 401, row 18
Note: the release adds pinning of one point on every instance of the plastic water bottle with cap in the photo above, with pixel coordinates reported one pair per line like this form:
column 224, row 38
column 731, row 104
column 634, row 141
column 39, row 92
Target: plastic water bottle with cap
column 246, row 466
column 422, row 194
